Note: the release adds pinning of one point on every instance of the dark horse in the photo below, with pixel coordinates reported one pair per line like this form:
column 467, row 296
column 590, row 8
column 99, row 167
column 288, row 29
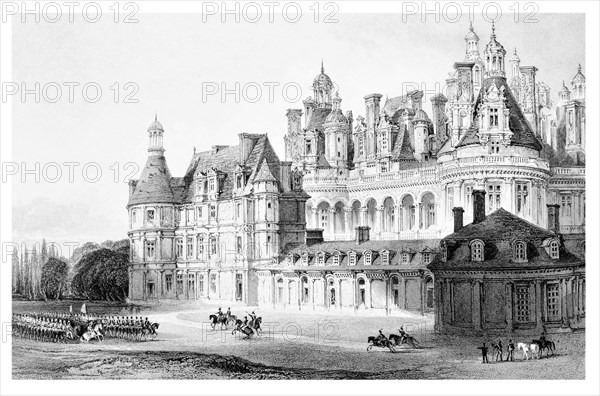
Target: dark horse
column 401, row 340
column 548, row 345
column 222, row 320
column 247, row 330
column 376, row 341
column 150, row 330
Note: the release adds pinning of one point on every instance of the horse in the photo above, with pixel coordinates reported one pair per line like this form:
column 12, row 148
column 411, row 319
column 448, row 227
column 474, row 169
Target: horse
column 255, row 324
column 248, row 330
column 548, row 345
column 527, row 349
column 150, row 330
column 406, row 339
column 376, row 341
column 231, row 319
column 222, row 320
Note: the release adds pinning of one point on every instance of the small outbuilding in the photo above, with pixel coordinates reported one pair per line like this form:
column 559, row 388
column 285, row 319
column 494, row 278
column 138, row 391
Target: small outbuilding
column 502, row 274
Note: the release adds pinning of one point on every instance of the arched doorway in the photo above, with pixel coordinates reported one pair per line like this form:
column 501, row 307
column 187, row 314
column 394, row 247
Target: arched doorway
column 332, row 293
column 323, row 215
column 355, row 214
column 362, row 292
column 371, row 211
column 338, row 218
column 395, row 291
column 429, row 296
column 279, row 295
column 304, row 290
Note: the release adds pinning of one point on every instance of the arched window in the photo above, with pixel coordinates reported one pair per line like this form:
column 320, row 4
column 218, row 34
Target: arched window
column 280, row 290
column 368, row 258
column 554, row 249
column 477, row 250
column 520, row 251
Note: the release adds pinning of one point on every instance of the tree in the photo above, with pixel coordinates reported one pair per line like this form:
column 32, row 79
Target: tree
column 16, row 272
column 54, row 277
column 102, row 274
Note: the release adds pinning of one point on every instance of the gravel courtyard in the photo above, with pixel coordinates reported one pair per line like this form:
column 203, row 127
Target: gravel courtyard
column 293, row 346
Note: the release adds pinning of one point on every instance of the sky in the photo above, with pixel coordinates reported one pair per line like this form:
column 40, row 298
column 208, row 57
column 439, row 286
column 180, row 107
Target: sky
column 170, row 60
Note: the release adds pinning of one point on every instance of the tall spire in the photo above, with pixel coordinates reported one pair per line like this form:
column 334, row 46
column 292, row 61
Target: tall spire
column 322, row 68
column 493, row 31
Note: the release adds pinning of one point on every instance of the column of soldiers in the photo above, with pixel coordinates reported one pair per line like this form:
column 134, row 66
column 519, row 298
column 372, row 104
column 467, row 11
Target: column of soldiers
column 61, row 327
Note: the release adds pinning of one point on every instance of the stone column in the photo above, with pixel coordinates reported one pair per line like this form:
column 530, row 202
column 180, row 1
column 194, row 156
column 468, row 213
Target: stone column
column 364, row 216
column 315, row 215
column 509, row 306
column 348, row 226
column 403, row 293
column 439, row 306
column 378, row 226
column 331, row 222
column 570, row 295
column 396, row 226
column 476, row 301
column 419, row 216
column 339, row 294
column 563, row 301
column 538, row 306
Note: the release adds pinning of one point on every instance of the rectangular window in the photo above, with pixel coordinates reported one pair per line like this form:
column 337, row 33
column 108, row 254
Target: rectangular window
column 133, row 217
column 553, row 301
column 213, row 212
column 238, row 210
column 493, row 118
column 494, row 196
column 566, row 203
column 179, row 248
column 522, row 192
column 352, row 259
column 200, row 247
column 336, row 259
column 384, row 167
column 199, row 213
column 324, row 219
column 494, row 147
column 404, row 257
column 368, row 259
column 189, row 216
column 522, row 303
column 190, row 247
column 150, row 245
column 180, row 284
column 238, row 244
column 212, row 185
column 150, row 216
column 426, row 257
column 213, row 245
column 169, row 282
column 213, row 283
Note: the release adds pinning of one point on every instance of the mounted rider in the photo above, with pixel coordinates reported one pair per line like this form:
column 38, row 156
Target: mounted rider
column 403, row 334
column 219, row 313
column 381, row 338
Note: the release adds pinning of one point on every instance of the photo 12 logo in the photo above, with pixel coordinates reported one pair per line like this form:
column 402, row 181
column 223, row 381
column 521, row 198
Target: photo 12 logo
column 270, row 11
column 454, row 12
column 69, row 92
column 71, row 11
column 68, row 172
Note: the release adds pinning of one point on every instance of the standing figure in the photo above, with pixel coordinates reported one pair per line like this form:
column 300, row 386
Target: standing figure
column 484, row 353
column 511, row 349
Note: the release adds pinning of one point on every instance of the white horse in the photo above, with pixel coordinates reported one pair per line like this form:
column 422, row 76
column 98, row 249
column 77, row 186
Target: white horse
column 95, row 332
column 528, row 349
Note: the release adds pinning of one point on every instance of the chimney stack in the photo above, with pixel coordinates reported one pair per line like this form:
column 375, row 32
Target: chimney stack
column 314, row 236
column 478, row 206
column 553, row 218
column 458, row 218
column 362, row 234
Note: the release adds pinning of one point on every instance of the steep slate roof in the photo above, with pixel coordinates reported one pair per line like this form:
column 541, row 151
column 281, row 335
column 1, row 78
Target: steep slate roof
column 395, row 247
column 522, row 133
column 318, row 119
column 154, row 184
column 402, row 150
column 499, row 231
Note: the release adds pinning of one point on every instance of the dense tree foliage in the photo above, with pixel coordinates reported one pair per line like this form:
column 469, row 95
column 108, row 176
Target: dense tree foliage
column 54, row 278
column 102, row 274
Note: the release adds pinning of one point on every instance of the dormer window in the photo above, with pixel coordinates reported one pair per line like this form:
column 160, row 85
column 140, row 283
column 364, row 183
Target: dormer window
column 554, row 249
column 520, row 252
column 239, row 181
column 477, row 250
column 305, row 259
column 352, row 258
column 494, row 147
column 321, row 259
column 426, row 257
column 336, row 258
column 368, row 258
column 385, row 257
column 405, row 258
column 493, row 118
